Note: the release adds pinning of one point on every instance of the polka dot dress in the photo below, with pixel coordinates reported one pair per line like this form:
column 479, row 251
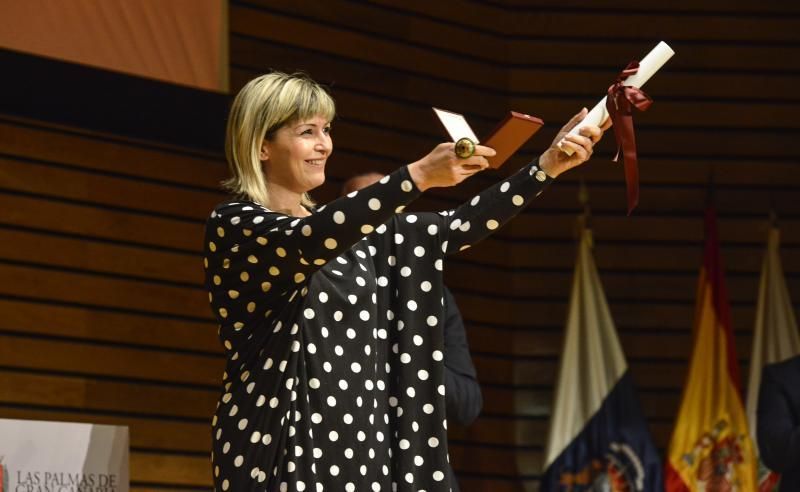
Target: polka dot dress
column 332, row 329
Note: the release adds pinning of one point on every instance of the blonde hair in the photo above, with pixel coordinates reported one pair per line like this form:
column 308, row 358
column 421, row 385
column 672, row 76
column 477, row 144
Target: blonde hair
column 263, row 106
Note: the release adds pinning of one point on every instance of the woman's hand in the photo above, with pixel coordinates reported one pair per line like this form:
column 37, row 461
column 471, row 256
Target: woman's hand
column 554, row 161
column 442, row 168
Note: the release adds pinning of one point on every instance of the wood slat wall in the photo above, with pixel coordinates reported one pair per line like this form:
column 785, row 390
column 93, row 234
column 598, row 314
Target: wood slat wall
column 102, row 313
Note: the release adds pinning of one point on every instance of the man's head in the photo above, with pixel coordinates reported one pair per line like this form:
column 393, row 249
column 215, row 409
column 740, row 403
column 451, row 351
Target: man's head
column 360, row 181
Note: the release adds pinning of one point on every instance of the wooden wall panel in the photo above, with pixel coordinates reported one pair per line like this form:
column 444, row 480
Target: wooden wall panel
column 103, row 314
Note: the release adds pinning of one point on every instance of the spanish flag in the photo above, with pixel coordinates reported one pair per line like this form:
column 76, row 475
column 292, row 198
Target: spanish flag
column 711, row 449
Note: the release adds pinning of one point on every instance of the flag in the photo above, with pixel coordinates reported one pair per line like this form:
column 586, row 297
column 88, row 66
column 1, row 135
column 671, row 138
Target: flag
column 598, row 437
column 710, row 449
column 775, row 337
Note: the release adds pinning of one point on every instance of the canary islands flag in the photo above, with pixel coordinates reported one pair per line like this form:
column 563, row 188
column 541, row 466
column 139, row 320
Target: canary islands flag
column 598, row 437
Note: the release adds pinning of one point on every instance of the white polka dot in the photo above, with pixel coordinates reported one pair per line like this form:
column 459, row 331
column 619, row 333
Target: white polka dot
column 225, row 485
column 433, row 442
column 342, row 385
column 334, row 470
column 238, row 461
column 331, row 401
column 505, row 186
column 409, row 478
column 348, row 419
column 465, row 226
column 300, row 485
column 338, row 217
column 438, row 264
column 419, row 251
column 405, row 271
column 437, row 355
column 266, row 439
column 273, row 402
column 427, row 408
column 312, row 349
column 405, row 358
column 432, row 321
column 418, row 460
column 338, row 350
column 438, row 476
column 351, row 333
column 411, row 218
column 517, row 200
column 410, row 392
column 364, row 315
column 385, row 179
column 330, row 243
column 306, row 230
column 350, row 487
column 492, row 224
column 317, row 452
column 360, row 281
column 417, row 340
column 313, row 383
column 323, row 297
column 333, row 436
column 412, row 305
column 352, row 298
column 406, row 185
column 374, row 204
column 398, row 239
column 338, row 316
column 422, row 374
column 242, row 424
column 475, row 200
column 404, row 444
column 425, row 286
column 316, row 418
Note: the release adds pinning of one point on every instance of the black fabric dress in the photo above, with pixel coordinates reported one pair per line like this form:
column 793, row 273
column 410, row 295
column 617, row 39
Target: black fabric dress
column 332, row 329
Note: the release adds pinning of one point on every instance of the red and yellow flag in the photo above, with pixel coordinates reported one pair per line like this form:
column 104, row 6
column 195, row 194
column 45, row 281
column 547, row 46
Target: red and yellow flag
column 711, row 449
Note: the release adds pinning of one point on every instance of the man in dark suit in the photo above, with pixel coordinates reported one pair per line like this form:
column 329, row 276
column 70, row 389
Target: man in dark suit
column 779, row 421
column 462, row 391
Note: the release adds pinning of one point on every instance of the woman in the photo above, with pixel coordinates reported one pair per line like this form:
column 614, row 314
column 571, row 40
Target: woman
column 331, row 317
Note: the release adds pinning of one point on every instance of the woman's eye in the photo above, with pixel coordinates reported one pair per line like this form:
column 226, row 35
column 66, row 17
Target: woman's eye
column 327, row 129
column 306, row 132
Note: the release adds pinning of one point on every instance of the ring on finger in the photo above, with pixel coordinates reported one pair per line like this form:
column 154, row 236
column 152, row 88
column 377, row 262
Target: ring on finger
column 464, row 148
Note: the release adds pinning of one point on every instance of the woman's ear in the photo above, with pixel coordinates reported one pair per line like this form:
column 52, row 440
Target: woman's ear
column 264, row 154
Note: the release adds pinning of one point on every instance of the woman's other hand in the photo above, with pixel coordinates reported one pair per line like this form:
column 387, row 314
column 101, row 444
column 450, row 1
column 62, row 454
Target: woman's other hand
column 555, row 161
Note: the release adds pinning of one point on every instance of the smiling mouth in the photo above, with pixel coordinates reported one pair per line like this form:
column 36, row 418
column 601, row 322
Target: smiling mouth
column 316, row 162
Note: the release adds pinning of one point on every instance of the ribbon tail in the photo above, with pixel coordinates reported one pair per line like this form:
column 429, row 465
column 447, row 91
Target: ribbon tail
column 630, row 160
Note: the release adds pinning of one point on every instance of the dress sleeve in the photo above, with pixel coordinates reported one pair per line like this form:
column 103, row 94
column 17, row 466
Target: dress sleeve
column 778, row 430
column 492, row 208
column 252, row 252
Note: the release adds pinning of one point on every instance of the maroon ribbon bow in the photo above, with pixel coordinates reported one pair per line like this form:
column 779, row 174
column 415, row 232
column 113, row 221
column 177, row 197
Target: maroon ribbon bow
column 620, row 103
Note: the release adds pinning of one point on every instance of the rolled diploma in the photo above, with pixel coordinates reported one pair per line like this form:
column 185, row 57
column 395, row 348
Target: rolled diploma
column 649, row 65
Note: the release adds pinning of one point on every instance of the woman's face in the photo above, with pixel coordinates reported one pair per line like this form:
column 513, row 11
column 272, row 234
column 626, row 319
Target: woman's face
column 295, row 156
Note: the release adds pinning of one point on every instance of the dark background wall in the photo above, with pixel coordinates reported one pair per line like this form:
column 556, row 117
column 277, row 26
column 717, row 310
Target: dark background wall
column 105, row 182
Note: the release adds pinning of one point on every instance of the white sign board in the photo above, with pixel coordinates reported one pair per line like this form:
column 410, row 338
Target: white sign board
column 37, row 456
